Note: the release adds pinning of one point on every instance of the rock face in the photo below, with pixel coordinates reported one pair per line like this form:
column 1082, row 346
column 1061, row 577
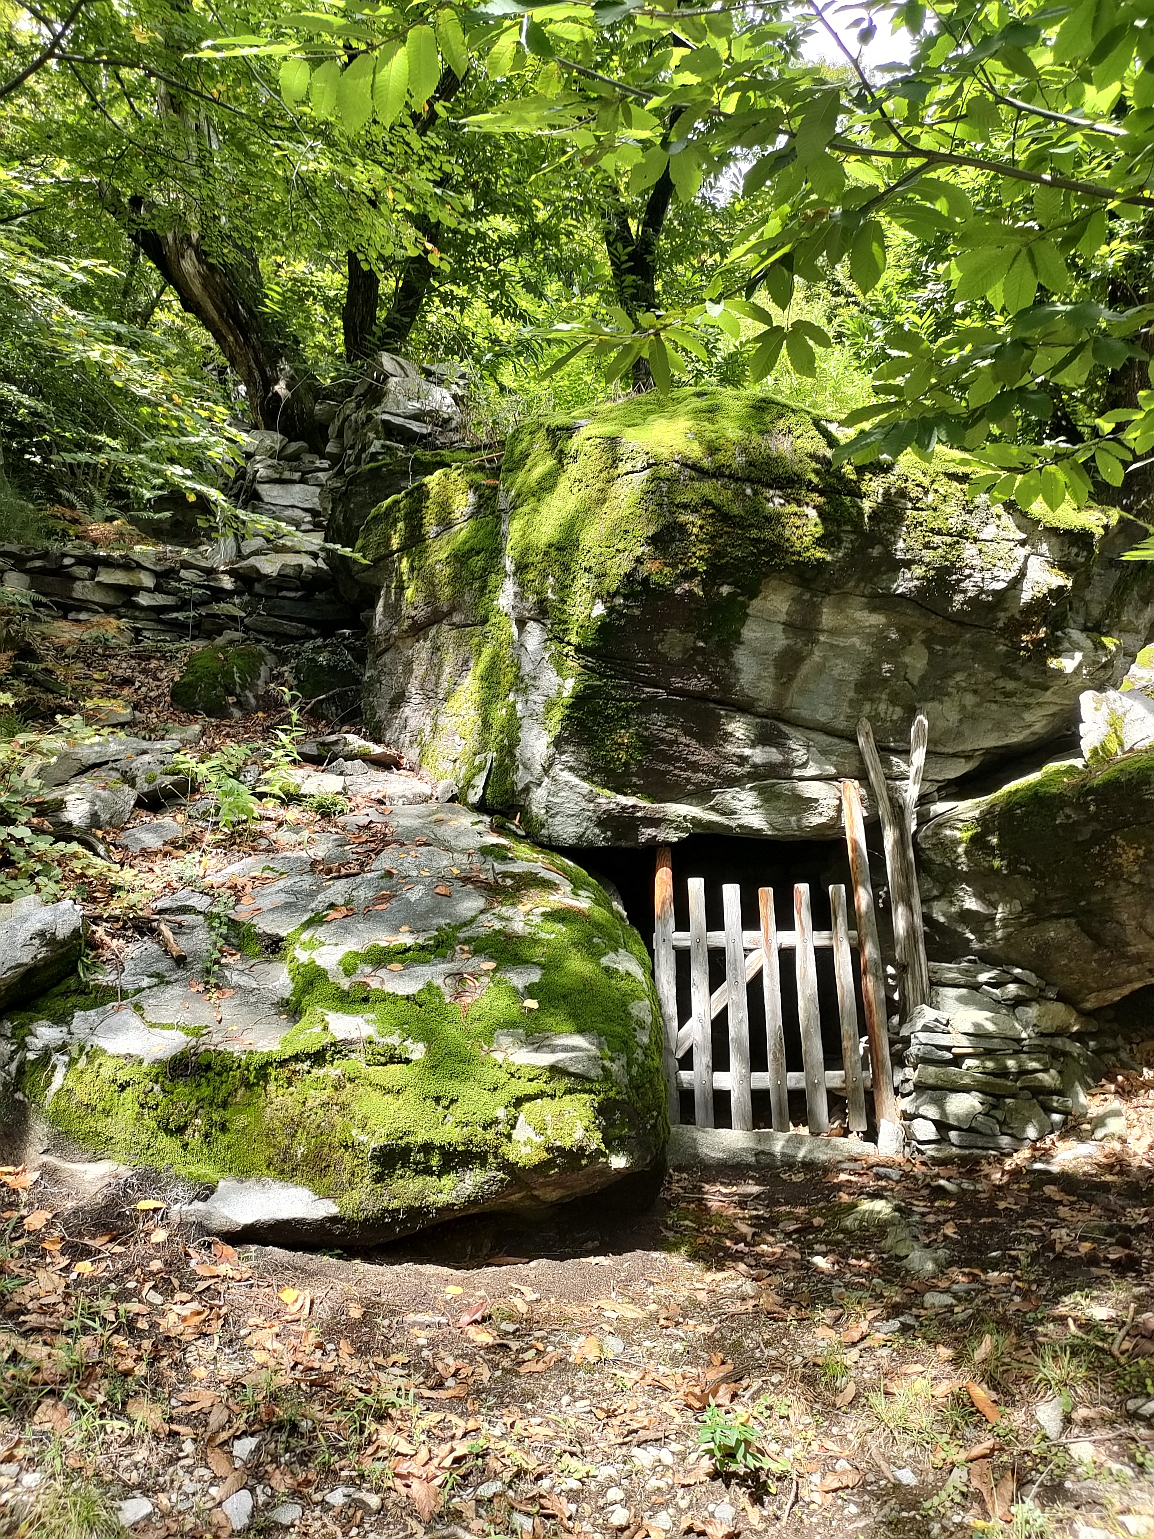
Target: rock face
column 465, row 1025
column 39, row 944
column 1054, row 873
column 669, row 618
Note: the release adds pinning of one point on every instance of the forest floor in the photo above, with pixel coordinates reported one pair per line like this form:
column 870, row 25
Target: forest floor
column 740, row 1358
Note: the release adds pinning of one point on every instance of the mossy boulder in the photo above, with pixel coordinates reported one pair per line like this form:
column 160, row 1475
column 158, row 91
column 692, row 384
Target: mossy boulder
column 669, row 617
column 223, row 680
column 467, row 1025
column 1054, row 873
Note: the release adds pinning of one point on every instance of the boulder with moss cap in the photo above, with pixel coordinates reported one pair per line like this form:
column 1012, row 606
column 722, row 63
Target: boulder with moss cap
column 465, row 1025
column 223, row 680
column 1055, row 873
column 668, row 618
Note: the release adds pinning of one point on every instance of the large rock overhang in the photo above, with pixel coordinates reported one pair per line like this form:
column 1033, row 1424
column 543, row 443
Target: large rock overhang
column 668, row 619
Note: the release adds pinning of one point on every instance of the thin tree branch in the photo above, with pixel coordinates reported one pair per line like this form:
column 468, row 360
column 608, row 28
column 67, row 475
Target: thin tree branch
column 43, row 58
column 1113, row 129
column 1015, row 173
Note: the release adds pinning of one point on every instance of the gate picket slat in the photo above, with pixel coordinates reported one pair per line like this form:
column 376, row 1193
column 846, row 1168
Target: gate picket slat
column 740, row 1102
column 774, row 1030
column 809, row 1014
column 665, row 974
column 870, row 952
column 847, row 1009
column 702, row 1021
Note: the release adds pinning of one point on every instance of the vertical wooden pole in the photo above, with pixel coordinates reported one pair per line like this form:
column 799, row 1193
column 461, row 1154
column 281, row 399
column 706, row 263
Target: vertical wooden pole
column 897, row 807
column 665, row 974
column 847, row 1010
column 809, row 1013
column 873, row 983
column 740, row 1099
column 771, row 994
column 702, row 1021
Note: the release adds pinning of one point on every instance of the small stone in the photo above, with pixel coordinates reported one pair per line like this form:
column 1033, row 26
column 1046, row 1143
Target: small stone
column 243, row 1448
column 615, row 1494
column 662, row 1520
column 134, row 1510
column 1140, row 1406
column 618, row 1517
column 923, row 1130
column 238, row 1510
column 153, row 835
column 1108, row 1122
column 725, row 1513
column 1051, row 1417
column 490, row 1489
column 287, row 1514
column 905, row 1477
column 937, row 1300
column 614, row 1346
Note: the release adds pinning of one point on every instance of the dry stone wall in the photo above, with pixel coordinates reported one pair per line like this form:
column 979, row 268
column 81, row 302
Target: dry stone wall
column 995, row 1060
column 276, row 591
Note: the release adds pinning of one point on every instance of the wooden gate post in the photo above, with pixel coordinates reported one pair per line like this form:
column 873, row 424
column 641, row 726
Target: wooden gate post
column 897, row 807
column 872, row 981
column 665, row 974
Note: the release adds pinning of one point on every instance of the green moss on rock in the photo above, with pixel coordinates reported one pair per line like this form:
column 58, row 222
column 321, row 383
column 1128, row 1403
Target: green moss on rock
column 399, row 1119
column 222, row 681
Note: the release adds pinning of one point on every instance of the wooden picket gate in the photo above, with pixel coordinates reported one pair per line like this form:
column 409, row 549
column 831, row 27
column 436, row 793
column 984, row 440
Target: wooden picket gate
column 750, row 953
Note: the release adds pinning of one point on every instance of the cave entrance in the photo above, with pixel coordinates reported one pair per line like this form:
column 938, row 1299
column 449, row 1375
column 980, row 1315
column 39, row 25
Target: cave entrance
column 773, row 1003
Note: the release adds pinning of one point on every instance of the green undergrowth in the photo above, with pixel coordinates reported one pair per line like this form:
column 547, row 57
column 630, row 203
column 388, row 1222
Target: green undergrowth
column 415, row 1112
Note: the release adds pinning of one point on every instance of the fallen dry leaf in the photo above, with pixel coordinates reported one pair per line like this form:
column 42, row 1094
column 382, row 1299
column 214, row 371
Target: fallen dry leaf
column 846, row 1396
column 443, row 892
column 985, row 1347
column 219, row 1463
column 995, row 1498
column 840, row 1480
column 982, row 1402
column 37, row 1220
column 472, row 1315
column 148, row 1414
column 588, row 1351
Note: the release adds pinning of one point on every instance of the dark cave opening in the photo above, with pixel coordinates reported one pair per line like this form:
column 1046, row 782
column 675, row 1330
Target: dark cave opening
column 751, row 864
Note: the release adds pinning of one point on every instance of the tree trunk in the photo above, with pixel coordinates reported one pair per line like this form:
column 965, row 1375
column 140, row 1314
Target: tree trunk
column 412, row 283
column 225, row 296
column 359, row 315
column 633, row 259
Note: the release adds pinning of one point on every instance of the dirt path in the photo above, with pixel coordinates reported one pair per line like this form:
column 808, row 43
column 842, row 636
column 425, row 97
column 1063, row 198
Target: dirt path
column 745, row 1357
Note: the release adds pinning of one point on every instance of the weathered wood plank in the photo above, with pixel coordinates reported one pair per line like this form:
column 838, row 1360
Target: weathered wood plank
column 751, row 940
column 717, row 1002
column 847, row 1010
column 809, row 1013
column 897, row 808
column 834, row 1080
column 740, row 1105
column 665, row 973
column 703, row 1114
column 771, row 994
column 873, row 983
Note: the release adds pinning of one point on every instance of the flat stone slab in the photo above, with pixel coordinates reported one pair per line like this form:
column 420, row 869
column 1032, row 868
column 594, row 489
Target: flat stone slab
column 692, row 1148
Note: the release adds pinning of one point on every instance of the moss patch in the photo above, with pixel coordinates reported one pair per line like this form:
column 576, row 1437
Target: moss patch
column 216, row 679
column 420, row 1105
column 1041, row 827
